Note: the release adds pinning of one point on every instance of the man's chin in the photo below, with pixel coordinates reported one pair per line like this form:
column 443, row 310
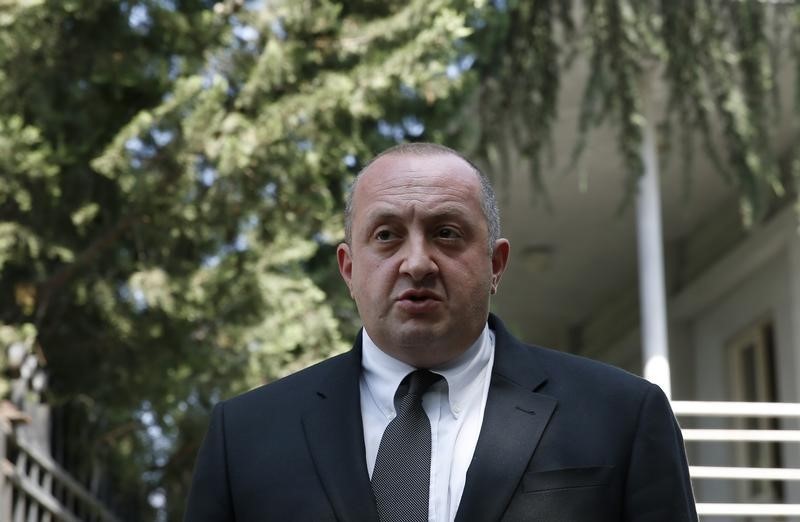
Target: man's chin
column 423, row 338
column 419, row 335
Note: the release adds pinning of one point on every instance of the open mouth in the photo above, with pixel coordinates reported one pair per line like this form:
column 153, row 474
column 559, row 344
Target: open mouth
column 418, row 296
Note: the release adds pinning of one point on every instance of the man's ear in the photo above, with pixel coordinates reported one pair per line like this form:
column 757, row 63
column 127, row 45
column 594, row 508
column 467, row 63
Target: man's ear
column 345, row 264
column 500, row 253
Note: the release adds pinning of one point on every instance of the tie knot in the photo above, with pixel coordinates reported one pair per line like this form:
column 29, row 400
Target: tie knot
column 413, row 387
column 420, row 380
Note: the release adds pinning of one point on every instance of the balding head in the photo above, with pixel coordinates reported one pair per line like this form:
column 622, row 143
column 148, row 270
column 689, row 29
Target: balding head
column 487, row 196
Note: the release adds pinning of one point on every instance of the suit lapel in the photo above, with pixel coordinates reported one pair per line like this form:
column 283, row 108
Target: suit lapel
column 513, row 422
column 335, row 436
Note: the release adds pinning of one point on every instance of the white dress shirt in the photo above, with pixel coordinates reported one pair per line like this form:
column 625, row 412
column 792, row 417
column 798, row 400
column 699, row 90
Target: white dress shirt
column 454, row 406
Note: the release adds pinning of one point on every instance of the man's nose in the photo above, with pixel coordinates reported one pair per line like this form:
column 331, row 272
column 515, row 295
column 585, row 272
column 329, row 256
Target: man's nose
column 418, row 262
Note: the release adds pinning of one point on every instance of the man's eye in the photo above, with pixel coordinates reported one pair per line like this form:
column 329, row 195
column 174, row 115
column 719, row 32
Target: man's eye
column 448, row 233
column 383, row 235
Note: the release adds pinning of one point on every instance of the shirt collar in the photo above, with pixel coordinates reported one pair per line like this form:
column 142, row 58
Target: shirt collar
column 383, row 373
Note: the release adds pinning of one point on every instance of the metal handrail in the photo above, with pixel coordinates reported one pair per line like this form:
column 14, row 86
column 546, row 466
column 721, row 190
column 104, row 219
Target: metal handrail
column 741, row 409
column 747, row 510
column 743, row 473
column 14, row 476
column 734, row 435
column 735, row 409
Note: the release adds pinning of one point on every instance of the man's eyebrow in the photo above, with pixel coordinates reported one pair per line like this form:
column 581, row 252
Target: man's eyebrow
column 448, row 210
column 443, row 211
column 381, row 214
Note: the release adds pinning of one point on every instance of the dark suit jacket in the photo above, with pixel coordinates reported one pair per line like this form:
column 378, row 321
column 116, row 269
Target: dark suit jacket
column 564, row 439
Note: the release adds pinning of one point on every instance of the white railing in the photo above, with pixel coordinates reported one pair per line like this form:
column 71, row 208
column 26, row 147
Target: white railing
column 33, row 488
column 741, row 410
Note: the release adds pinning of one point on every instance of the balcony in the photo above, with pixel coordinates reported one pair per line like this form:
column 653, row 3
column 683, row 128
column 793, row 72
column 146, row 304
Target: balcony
column 741, row 434
column 33, row 488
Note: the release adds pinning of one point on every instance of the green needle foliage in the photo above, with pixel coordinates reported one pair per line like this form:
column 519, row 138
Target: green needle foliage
column 172, row 174
column 172, row 179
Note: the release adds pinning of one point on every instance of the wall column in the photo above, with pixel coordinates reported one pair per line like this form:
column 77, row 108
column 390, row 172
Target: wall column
column 652, row 293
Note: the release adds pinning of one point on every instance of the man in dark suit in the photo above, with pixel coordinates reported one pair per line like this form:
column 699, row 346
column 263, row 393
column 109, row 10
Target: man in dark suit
column 511, row 432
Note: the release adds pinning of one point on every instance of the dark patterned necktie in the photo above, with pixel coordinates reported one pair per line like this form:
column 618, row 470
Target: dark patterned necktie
column 402, row 473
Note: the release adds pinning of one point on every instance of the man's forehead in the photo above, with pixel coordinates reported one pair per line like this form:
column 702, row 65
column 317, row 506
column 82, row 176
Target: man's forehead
column 390, row 210
column 412, row 168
